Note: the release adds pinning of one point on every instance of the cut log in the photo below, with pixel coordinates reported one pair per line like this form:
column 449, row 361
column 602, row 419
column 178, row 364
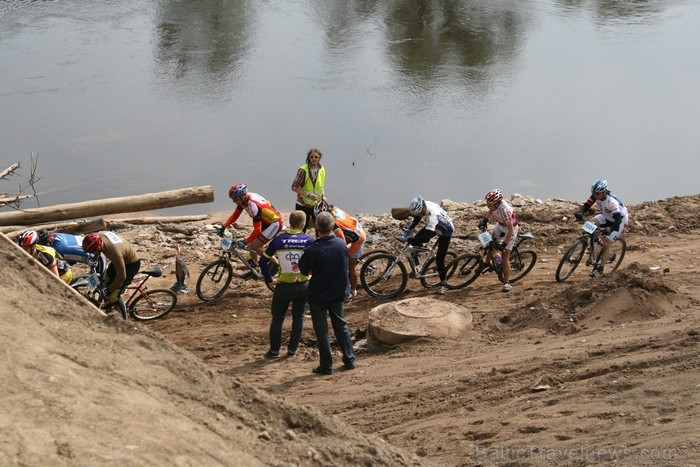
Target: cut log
column 75, row 228
column 137, row 203
column 161, row 220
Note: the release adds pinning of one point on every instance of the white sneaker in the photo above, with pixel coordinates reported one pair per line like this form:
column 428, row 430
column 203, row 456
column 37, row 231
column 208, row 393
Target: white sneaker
column 507, row 287
column 441, row 290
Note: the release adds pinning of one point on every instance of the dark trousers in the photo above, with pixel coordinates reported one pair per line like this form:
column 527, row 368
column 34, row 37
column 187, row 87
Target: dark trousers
column 443, row 243
column 319, row 311
column 131, row 270
column 310, row 217
column 286, row 293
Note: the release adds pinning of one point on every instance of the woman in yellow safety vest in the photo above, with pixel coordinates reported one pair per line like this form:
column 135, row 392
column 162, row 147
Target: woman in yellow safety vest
column 309, row 185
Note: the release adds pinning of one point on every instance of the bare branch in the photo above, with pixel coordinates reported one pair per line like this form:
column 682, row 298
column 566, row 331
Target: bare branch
column 10, row 170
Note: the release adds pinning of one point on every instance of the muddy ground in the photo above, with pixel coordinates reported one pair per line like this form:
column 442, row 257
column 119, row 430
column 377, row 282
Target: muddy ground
column 589, row 371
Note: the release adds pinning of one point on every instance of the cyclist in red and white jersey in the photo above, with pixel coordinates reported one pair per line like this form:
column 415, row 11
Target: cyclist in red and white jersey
column 267, row 221
column 501, row 212
column 613, row 216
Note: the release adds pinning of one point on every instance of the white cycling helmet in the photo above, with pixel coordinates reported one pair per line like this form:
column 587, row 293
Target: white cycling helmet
column 323, row 205
column 599, row 186
column 417, row 205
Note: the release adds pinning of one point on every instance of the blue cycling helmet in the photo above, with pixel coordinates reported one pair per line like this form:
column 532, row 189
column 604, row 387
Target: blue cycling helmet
column 599, row 186
column 237, row 190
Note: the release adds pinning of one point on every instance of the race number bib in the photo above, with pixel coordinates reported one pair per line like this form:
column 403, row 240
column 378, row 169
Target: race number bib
column 226, row 243
column 93, row 281
column 589, row 227
column 485, row 238
column 114, row 238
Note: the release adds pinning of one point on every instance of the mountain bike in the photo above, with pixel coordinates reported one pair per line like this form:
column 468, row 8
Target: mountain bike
column 142, row 305
column 467, row 267
column 216, row 276
column 384, row 275
column 589, row 243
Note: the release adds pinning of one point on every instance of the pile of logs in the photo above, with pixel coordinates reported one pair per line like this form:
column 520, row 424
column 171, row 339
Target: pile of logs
column 51, row 218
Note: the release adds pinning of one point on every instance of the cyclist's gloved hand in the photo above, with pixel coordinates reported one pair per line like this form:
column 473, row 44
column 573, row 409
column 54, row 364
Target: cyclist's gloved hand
column 241, row 244
column 483, row 223
column 579, row 216
column 220, row 229
column 407, row 231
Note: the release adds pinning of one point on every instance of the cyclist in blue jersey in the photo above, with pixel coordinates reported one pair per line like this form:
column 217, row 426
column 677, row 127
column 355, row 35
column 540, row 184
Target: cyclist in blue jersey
column 70, row 247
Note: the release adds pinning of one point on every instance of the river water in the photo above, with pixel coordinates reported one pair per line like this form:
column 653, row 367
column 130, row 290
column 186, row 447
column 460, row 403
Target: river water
column 446, row 99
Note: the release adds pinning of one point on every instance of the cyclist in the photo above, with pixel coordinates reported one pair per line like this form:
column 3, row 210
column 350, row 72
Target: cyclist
column 437, row 222
column 70, row 247
column 29, row 241
column 124, row 263
column 267, row 221
column 309, row 185
column 501, row 212
column 350, row 230
column 613, row 216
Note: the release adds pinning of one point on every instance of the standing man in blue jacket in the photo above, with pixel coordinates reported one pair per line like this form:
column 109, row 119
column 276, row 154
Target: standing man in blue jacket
column 327, row 261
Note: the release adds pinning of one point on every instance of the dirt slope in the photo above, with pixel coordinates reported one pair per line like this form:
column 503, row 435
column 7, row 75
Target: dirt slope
column 585, row 372
column 79, row 388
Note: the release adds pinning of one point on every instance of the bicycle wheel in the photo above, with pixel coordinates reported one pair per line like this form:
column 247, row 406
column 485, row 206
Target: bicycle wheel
column 617, row 253
column 570, row 260
column 371, row 275
column 153, row 304
column 214, row 280
column 521, row 262
column 430, row 277
column 463, row 270
column 274, row 272
column 383, row 277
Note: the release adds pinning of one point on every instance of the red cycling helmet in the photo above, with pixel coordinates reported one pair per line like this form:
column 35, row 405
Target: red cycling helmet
column 493, row 197
column 92, row 243
column 237, row 190
column 27, row 238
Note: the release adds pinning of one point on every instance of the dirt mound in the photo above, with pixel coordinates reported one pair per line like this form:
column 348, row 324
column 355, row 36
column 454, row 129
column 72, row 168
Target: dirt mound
column 633, row 293
column 79, row 388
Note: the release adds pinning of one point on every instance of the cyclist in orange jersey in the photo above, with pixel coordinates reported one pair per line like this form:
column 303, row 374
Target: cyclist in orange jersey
column 349, row 229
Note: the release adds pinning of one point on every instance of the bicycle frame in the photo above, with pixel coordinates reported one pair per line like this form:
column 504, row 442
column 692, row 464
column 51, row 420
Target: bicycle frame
column 233, row 250
column 139, row 290
column 408, row 251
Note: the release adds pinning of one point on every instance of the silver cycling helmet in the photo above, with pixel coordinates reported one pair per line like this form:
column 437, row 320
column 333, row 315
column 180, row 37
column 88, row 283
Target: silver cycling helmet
column 417, row 205
column 599, row 186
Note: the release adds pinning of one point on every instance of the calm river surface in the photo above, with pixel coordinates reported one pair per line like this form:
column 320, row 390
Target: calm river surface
column 444, row 98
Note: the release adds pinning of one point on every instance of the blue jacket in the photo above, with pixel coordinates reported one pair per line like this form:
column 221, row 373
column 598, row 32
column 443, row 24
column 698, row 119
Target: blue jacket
column 328, row 262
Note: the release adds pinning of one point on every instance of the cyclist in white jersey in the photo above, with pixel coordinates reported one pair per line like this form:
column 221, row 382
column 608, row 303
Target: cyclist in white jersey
column 501, row 212
column 437, row 222
column 613, row 216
